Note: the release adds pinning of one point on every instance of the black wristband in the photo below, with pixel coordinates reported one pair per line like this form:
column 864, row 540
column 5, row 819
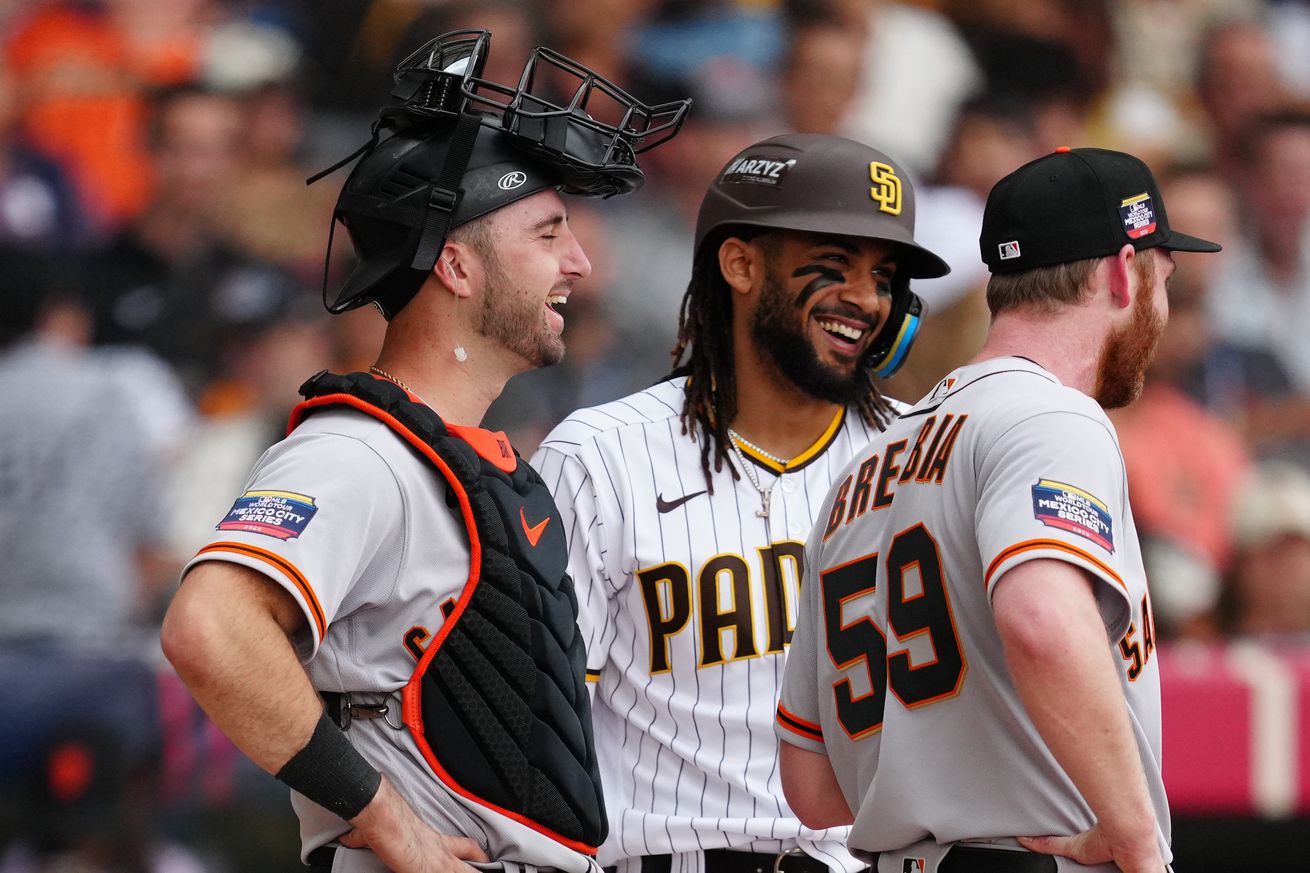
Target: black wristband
column 331, row 773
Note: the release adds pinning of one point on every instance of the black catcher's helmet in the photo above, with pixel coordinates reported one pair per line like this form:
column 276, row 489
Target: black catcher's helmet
column 450, row 146
column 828, row 184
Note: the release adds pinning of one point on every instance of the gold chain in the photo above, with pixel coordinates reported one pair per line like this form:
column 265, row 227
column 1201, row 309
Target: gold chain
column 390, row 378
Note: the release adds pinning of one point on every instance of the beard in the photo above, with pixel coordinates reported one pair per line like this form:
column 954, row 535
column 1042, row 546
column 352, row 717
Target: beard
column 782, row 342
column 1128, row 351
column 515, row 324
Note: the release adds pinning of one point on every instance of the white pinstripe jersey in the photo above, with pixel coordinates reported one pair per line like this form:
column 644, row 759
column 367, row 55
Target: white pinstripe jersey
column 687, row 601
column 897, row 670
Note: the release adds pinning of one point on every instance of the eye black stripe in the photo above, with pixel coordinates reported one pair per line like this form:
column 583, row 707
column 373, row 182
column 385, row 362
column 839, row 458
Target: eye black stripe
column 823, row 277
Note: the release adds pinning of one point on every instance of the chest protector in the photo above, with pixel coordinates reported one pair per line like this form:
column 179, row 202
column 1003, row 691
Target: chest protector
column 498, row 703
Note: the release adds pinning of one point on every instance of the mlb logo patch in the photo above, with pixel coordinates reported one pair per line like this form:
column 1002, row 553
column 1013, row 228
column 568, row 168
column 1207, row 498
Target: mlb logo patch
column 1009, row 250
column 1072, row 509
column 1138, row 216
column 913, row 865
column 943, row 388
column 280, row 514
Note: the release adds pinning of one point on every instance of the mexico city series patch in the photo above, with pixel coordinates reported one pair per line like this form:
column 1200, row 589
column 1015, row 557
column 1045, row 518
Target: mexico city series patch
column 1138, row 216
column 280, row 514
column 1072, row 509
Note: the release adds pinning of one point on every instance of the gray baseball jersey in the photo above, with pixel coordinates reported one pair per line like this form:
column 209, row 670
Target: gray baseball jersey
column 687, row 601
column 897, row 670
column 355, row 525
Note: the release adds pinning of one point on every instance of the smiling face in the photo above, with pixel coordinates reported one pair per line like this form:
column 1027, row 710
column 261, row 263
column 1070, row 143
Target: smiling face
column 821, row 301
column 530, row 263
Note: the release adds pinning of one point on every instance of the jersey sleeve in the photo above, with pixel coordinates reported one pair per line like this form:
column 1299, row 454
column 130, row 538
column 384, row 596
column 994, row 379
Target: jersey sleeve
column 575, row 496
column 1054, row 486
column 317, row 510
column 799, row 719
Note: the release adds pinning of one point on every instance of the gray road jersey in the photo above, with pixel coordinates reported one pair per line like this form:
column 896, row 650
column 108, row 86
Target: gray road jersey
column 354, row 524
column 687, row 601
column 1000, row 464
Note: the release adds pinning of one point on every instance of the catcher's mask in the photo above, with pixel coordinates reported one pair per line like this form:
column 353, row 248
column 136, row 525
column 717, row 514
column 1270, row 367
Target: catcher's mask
column 828, row 184
column 450, row 146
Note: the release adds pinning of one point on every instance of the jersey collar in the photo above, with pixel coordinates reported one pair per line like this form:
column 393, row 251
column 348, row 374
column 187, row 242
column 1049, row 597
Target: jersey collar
column 804, row 458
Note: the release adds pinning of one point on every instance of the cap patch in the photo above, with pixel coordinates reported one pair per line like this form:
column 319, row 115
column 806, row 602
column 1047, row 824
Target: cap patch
column 757, row 170
column 886, row 190
column 1138, row 216
column 1072, row 509
column 280, row 514
column 1009, row 250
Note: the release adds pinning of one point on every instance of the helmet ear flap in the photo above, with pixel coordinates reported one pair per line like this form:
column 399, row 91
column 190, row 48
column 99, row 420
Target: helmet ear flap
column 892, row 344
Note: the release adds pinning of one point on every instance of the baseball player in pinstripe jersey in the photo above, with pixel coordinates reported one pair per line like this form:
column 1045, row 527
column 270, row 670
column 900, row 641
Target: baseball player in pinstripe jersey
column 972, row 673
column 407, row 570
column 686, row 505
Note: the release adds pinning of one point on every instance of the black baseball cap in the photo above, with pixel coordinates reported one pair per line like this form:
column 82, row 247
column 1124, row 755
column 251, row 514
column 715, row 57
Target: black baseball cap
column 1075, row 204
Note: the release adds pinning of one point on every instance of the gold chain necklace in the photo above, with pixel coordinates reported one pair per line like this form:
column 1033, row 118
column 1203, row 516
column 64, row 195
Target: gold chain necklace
column 390, row 378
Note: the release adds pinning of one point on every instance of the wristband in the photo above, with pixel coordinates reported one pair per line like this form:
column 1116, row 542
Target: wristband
column 330, row 772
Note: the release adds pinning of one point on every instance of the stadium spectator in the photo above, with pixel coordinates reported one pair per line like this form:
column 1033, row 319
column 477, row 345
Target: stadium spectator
column 1237, row 83
column 820, row 75
column 905, row 107
column 1270, row 260
column 38, row 204
column 77, row 523
column 165, row 283
column 1267, row 595
column 85, row 70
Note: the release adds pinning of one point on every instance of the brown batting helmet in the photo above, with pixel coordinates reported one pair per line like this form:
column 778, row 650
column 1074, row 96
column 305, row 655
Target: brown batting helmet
column 820, row 183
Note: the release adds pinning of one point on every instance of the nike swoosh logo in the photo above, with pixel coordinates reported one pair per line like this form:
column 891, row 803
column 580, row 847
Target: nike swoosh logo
column 669, row 505
column 534, row 533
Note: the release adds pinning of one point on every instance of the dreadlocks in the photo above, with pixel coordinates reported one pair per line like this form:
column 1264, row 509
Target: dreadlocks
column 705, row 339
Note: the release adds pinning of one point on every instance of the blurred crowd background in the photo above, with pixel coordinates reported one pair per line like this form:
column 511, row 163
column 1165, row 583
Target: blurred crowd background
column 162, row 261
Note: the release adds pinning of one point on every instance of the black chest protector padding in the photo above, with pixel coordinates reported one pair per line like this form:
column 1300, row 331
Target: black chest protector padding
column 505, row 710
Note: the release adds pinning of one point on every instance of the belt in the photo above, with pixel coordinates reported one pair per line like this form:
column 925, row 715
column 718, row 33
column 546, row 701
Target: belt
column 980, row 859
column 729, row 861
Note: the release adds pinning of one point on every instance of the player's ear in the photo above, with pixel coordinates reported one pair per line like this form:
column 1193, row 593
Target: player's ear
column 456, row 268
column 1122, row 270
column 740, row 263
